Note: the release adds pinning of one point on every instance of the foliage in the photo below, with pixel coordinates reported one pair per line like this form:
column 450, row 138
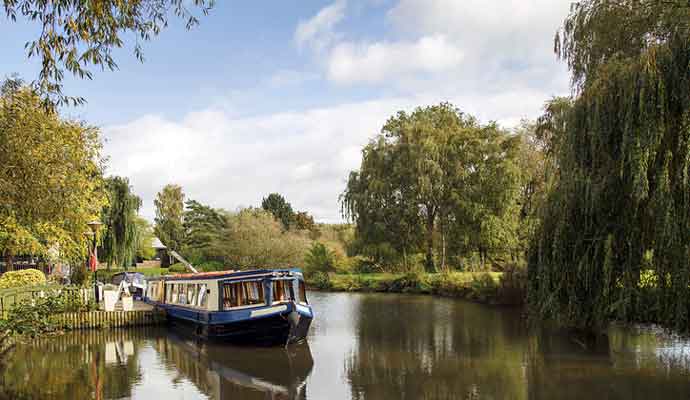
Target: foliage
column 483, row 287
column 280, row 208
column 77, row 34
column 203, row 229
column 621, row 149
column 320, row 280
column 33, row 316
column 211, row 266
column 144, row 239
column 253, row 239
column 304, row 221
column 429, row 175
column 119, row 244
column 319, row 259
column 50, row 178
column 178, row 268
column 168, row 227
column 78, row 274
column 25, row 277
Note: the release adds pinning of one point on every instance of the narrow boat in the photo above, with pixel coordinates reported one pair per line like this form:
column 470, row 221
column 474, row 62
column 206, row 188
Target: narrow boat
column 266, row 307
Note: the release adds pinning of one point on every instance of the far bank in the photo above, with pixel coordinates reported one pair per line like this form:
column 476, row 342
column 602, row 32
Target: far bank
column 496, row 288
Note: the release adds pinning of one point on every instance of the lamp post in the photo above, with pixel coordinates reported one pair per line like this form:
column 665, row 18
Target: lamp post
column 94, row 225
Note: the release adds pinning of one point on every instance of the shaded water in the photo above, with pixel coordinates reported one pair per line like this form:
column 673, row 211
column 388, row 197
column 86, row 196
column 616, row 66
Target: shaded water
column 361, row 346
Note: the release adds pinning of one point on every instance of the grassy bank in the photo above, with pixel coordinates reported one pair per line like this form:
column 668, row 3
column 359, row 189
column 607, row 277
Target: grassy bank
column 483, row 287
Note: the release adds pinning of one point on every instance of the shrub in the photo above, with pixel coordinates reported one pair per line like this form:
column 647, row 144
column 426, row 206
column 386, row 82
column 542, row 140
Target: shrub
column 320, row 280
column 208, row 266
column 78, row 276
column 483, row 287
column 410, row 282
column 319, row 259
column 26, row 277
column 178, row 268
column 33, row 316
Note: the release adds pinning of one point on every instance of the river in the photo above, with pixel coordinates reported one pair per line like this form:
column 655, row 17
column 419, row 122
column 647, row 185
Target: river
column 361, row 346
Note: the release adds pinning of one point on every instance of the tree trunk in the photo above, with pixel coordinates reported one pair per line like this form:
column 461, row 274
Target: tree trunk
column 430, row 241
column 9, row 262
column 443, row 249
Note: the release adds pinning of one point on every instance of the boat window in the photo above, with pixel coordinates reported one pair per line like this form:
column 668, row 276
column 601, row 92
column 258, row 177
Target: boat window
column 182, row 294
column 283, row 291
column 192, row 291
column 203, row 298
column 303, row 293
column 238, row 294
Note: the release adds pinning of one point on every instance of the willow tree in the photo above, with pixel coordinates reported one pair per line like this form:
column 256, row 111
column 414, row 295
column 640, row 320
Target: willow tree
column 120, row 239
column 621, row 201
column 50, row 178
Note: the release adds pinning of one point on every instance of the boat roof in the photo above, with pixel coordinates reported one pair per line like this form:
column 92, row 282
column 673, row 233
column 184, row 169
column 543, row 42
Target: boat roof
column 230, row 274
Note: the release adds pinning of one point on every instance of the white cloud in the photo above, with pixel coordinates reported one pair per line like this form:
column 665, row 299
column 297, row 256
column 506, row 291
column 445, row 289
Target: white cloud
column 452, row 45
column 317, row 31
column 228, row 161
column 384, row 61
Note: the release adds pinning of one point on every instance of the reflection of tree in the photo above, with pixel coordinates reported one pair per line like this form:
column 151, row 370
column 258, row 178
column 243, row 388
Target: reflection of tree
column 72, row 367
column 624, row 364
column 224, row 372
column 427, row 348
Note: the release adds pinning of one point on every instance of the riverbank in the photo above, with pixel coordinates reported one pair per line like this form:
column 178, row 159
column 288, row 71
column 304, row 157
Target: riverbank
column 496, row 288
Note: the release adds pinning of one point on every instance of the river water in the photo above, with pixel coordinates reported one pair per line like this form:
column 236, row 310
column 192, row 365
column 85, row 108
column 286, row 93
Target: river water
column 361, row 346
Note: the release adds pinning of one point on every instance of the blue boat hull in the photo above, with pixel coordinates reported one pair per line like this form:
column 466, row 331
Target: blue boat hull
column 272, row 325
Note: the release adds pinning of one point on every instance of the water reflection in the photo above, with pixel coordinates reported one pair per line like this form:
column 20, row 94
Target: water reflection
column 426, row 348
column 223, row 372
column 364, row 347
column 144, row 363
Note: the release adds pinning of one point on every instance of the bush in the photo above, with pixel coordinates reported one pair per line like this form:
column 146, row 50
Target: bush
column 483, row 287
column 178, row 268
column 319, row 259
column 208, row 266
column 32, row 317
column 320, row 280
column 410, row 282
column 78, row 276
column 26, row 277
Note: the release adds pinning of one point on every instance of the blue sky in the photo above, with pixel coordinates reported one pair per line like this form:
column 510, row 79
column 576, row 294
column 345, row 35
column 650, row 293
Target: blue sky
column 281, row 96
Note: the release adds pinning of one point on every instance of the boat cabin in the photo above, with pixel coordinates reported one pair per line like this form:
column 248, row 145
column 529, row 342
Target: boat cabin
column 228, row 290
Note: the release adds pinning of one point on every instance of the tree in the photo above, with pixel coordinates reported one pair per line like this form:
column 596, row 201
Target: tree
column 203, row 229
column 428, row 173
column 50, row 178
column 168, row 226
column 621, row 194
column 76, row 34
column 253, row 238
column 304, row 221
column 280, row 208
column 144, row 239
column 119, row 217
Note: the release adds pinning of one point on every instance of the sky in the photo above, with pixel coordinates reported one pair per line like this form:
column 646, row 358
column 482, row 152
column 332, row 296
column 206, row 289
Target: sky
column 267, row 96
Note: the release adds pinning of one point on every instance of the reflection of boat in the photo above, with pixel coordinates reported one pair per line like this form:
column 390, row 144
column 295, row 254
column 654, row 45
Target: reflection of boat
column 260, row 306
column 240, row 372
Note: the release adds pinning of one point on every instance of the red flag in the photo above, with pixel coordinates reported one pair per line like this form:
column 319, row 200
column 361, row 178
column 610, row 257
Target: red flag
column 93, row 263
